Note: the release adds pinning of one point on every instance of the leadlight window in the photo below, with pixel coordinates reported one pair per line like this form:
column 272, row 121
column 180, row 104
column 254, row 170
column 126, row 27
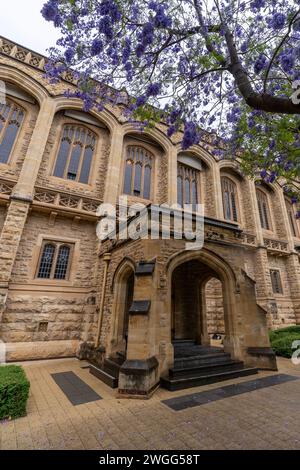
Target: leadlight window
column 292, row 218
column 188, row 179
column 11, row 118
column 75, row 155
column 263, row 209
column 138, row 172
column 55, row 261
column 276, row 281
column 229, row 194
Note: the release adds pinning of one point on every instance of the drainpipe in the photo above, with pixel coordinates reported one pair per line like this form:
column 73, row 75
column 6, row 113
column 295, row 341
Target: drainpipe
column 106, row 258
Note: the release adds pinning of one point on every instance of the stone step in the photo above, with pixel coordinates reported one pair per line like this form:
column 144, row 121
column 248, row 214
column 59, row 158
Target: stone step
column 196, row 350
column 105, row 377
column 207, row 369
column 111, row 367
column 201, row 360
column 179, row 342
column 181, row 383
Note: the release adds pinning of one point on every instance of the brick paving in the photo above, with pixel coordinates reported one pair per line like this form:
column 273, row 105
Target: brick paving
column 268, row 418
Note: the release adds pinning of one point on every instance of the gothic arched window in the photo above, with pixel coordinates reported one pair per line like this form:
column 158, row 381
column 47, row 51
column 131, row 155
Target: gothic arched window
column 263, row 209
column 54, row 261
column 11, row 118
column 138, row 172
column 187, row 186
column 292, row 217
column 75, row 155
column 229, row 195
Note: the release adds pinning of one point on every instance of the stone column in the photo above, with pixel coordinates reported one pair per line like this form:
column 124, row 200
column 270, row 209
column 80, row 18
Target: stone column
column 172, row 168
column 22, row 197
column 139, row 375
column 9, row 244
column 258, row 229
column 217, row 191
column 34, row 155
column 293, row 272
column 114, row 166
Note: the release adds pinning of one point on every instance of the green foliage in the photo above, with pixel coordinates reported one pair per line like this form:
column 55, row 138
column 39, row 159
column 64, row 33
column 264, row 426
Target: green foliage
column 14, row 392
column 282, row 340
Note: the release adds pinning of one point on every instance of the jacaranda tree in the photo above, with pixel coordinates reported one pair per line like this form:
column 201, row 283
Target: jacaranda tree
column 223, row 71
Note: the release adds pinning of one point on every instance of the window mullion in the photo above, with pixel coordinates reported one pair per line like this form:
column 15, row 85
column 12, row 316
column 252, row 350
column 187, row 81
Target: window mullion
column 82, row 156
column 57, row 246
column 70, row 153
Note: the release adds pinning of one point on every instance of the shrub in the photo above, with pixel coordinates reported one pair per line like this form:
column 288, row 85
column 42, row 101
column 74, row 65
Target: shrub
column 14, row 392
column 282, row 340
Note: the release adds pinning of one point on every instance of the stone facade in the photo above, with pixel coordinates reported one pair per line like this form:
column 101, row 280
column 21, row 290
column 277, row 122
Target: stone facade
column 50, row 318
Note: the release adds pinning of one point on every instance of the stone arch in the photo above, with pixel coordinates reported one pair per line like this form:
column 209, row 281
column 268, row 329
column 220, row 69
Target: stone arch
column 107, row 118
column 216, row 267
column 160, row 138
column 122, row 289
column 25, row 82
column 199, row 152
column 160, row 146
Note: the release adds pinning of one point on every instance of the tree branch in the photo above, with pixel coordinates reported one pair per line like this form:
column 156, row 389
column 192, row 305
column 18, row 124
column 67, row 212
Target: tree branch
column 258, row 101
column 278, row 48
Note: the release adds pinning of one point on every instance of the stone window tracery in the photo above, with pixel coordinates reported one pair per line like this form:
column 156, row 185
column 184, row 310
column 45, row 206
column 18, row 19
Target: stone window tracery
column 55, row 261
column 138, row 172
column 75, row 155
column 263, row 209
column 11, row 118
column 188, row 180
column 292, row 218
column 229, row 195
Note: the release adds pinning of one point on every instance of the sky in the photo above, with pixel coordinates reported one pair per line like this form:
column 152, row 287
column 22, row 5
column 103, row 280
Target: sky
column 22, row 22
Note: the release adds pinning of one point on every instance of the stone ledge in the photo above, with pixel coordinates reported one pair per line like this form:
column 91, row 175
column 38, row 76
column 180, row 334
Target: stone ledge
column 138, row 366
column 30, row 351
column 260, row 351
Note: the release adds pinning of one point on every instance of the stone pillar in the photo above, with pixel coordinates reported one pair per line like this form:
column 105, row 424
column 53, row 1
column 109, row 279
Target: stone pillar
column 34, row 155
column 258, row 229
column 285, row 225
column 139, row 375
column 293, row 273
column 172, row 167
column 264, row 292
column 112, row 190
column 22, row 197
column 9, row 244
column 218, row 191
column 251, row 335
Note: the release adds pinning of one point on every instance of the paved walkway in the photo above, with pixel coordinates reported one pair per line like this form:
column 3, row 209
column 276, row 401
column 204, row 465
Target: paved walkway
column 268, row 418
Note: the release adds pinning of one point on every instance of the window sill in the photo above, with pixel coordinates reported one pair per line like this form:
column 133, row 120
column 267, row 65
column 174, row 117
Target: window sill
column 70, row 182
column 133, row 199
column 52, row 282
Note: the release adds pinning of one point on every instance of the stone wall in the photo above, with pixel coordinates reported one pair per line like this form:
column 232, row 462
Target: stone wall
column 214, row 307
column 68, row 307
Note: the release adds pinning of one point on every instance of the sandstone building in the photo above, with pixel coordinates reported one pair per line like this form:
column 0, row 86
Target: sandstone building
column 59, row 287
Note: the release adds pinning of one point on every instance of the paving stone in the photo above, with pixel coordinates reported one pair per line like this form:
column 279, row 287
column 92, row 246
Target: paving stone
column 77, row 391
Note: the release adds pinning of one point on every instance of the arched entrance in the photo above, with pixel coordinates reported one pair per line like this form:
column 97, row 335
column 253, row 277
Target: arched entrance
column 197, row 303
column 124, row 288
